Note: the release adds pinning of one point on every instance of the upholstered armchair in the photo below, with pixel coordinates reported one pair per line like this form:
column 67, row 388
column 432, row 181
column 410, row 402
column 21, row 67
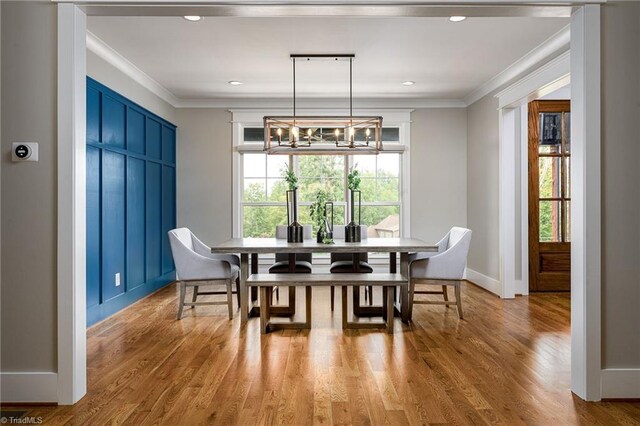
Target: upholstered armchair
column 196, row 266
column 444, row 268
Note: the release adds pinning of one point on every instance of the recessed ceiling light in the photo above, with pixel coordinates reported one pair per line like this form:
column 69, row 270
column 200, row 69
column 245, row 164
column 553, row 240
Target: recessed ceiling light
column 408, row 83
column 457, row 18
column 234, row 83
column 193, row 18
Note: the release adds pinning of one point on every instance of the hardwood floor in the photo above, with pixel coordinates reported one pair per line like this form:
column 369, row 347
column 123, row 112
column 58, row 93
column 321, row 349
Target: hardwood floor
column 507, row 362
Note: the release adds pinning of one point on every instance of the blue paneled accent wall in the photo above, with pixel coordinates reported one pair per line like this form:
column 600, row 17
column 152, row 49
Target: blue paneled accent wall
column 131, row 201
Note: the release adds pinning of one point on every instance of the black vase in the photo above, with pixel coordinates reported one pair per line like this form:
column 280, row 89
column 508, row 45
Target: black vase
column 320, row 236
column 352, row 230
column 294, row 229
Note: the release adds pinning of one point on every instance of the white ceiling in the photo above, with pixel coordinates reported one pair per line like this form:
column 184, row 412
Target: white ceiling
column 446, row 60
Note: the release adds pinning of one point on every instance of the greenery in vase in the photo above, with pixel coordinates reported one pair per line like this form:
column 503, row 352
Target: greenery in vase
column 291, row 178
column 317, row 209
column 353, row 180
column 327, row 240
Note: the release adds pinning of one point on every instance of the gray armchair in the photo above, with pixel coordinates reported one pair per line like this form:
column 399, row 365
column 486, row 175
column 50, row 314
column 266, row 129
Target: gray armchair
column 197, row 266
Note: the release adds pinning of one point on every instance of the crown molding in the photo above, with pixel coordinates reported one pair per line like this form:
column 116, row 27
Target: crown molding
column 106, row 52
column 550, row 48
column 543, row 80
column 319, row 103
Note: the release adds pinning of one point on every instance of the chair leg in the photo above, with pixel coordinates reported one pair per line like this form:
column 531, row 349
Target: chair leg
column 195, row 295
column 230, row 298
column 458, row 300
column 183, row 293
column 445, row 295
column 278, row 294
column 333, row 295
column 370, row 295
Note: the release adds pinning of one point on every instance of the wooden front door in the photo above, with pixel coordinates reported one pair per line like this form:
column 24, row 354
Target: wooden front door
column 549, row 196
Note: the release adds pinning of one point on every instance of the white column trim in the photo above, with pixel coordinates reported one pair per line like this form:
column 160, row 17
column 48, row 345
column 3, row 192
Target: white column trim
column 72, row 366
column 585, row 204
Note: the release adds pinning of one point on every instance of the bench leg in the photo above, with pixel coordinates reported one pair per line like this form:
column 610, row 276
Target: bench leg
column 388, row 296
column 344, row 307
column 264, row 311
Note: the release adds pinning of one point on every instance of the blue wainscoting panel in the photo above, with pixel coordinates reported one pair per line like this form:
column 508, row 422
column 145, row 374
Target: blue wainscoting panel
column 93, row 226
column 154, row 139
column 113, row 223
column 135, row 131
column 154, row 219
column 130, row 201
column 168, row 215
column 136, row 177
column 168, row 144
column 113, row 122
column 93, row 114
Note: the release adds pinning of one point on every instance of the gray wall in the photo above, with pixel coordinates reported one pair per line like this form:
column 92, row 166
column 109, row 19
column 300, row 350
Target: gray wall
column 482, row 185
column 107, row 74
column 620, row 178
column 438, row 171
column 204, row 172
column 28, row 333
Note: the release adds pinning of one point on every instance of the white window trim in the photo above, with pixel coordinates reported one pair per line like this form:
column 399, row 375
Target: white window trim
column 401, row 118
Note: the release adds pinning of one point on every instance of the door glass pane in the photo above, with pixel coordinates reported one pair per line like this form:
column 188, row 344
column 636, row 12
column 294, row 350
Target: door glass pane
column 550, row 221
column 567, row 181
column 550, row 177
column 550, row 132
column 567, row 130
column 567, row 210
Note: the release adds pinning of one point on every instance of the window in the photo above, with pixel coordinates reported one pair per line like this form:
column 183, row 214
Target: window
column 263, row 197
column 261, row 189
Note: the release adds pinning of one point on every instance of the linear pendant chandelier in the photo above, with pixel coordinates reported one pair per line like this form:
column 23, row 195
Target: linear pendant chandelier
column 330, row 135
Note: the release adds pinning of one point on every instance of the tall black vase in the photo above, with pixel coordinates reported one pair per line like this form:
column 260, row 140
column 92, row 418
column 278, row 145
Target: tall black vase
column 294, row 229
column 352, row 230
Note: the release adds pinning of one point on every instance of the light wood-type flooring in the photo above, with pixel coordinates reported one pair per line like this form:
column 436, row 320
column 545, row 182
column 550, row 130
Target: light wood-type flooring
column 506, row 363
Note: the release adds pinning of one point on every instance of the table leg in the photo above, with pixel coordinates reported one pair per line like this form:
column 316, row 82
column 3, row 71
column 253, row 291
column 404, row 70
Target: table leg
column 405, row 297
column 264, row 310
column 244, row 302
column 355, row 261
column 393, row 268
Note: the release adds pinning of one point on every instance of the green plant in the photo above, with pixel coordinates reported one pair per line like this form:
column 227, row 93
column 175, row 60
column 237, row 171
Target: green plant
column 317, row 209
column 353, row 179
column 290, row 177
column 327, row 240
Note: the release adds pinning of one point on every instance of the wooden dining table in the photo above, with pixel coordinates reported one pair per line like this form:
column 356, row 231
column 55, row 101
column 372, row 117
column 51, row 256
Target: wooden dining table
column 253, row 247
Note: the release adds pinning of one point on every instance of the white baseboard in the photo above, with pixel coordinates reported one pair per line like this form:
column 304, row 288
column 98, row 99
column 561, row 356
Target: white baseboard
column 481, row 280
column 29, row 387
column 620, row 383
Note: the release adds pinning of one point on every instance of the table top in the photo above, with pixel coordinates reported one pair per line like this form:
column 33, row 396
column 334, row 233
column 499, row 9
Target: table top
column 273, row 245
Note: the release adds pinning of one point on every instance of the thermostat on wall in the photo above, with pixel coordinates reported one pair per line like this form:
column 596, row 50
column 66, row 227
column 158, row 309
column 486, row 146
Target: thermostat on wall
column 24, row 151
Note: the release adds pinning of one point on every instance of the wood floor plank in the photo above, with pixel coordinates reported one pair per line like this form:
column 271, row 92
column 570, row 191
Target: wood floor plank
column 506, row 363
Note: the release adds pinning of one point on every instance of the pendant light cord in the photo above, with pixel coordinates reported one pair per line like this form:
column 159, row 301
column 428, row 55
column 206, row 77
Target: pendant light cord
column 294, row 87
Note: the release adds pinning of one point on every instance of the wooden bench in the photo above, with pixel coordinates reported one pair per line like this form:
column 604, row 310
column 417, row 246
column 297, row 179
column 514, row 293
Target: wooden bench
column 265, row 281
